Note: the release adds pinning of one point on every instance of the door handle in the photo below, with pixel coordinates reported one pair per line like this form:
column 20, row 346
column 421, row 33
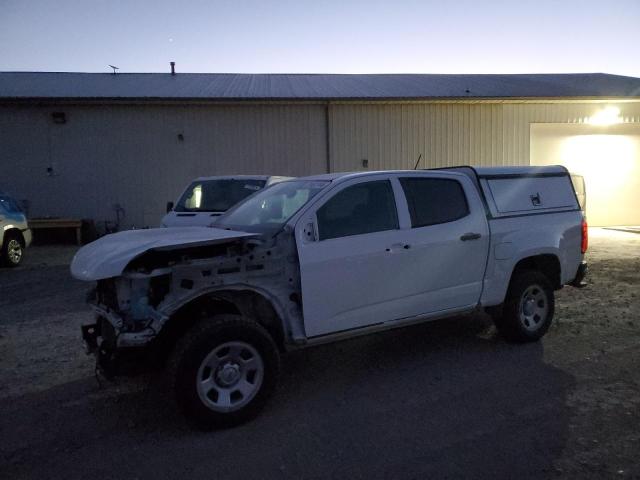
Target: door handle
column 470, row 236
column 395, row 246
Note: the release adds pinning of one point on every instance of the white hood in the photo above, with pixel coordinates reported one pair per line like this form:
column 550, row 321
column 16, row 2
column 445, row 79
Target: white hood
column 108, row 256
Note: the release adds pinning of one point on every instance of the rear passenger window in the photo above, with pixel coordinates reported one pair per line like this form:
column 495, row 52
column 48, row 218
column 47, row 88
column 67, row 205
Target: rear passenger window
column 363, row 208
column 434, row 200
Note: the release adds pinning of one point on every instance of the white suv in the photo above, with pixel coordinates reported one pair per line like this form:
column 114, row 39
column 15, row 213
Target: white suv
column 209, row 197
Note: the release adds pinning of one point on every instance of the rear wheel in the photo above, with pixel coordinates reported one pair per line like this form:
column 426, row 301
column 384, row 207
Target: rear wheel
column 528, row 309
column 223, row 371
column 12, row 250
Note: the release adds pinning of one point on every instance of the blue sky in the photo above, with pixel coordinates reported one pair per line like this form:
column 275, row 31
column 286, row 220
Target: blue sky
column 321, row 36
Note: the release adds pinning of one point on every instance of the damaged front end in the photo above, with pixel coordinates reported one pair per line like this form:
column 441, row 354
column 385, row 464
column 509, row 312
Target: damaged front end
column 126, row 317
column 142, row 289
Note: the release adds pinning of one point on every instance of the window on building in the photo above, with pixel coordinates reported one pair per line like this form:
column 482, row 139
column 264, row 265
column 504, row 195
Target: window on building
column 434, row 200
column 363, row 208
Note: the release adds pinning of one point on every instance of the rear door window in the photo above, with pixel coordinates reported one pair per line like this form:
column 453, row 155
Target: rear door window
column 362, row 208
column 434, row 200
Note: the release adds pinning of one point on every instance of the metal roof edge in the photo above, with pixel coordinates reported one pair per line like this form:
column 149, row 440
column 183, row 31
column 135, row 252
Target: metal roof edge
column 312, row 100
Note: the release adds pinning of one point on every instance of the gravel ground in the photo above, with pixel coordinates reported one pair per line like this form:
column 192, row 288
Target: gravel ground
column 447, row 399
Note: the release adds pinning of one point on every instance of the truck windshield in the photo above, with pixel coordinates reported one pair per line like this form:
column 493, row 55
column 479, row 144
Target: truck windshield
column 216, row 195
column 271, row 208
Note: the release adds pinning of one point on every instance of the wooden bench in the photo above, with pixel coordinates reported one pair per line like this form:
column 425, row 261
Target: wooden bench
column 48, row 223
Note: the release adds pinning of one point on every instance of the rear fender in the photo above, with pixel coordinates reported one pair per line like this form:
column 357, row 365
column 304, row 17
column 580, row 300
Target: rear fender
column 560, row 238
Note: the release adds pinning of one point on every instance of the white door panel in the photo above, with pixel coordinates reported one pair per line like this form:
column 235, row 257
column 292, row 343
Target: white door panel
column 444, row 271
column 360, row 280
column 347, row 282
column 440, row 270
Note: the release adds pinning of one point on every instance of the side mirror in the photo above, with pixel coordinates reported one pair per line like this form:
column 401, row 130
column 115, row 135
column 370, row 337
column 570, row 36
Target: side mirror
column 169, row 206
column 309, row 232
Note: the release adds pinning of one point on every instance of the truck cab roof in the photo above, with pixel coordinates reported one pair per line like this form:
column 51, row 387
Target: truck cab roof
column 479, row 171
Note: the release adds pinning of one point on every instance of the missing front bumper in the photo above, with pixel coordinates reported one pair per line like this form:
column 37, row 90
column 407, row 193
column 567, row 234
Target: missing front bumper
column 99, row 340
column 90, row 338
column 103, row 340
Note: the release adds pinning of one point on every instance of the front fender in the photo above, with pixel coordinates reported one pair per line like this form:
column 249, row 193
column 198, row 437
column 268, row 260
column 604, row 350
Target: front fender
column 290, row 319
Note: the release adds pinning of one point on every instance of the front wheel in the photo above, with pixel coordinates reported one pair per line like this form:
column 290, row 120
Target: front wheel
column 223, row 371
column 12, row 250
column 528, row 309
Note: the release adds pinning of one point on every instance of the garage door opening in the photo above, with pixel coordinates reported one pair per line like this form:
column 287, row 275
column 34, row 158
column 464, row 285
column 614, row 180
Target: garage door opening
column 608, row 157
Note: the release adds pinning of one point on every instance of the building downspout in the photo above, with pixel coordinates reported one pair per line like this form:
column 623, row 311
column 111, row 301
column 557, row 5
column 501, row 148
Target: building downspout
column 327, row 128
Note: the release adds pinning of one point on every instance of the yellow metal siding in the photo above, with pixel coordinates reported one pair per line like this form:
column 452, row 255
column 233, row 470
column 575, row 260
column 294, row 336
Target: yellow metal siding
column 487, row 134
column 130, row 154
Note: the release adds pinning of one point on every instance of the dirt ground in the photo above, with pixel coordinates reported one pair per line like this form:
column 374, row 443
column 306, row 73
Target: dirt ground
column 448, row 399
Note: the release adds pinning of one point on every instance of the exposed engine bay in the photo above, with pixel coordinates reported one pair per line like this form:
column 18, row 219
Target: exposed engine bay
column 160, row 286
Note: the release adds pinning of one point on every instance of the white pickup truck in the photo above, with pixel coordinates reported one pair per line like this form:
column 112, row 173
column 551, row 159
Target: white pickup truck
column 321, row 258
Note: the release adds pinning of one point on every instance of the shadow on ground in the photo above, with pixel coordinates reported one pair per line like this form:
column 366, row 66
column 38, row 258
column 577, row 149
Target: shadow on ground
column 444, row 399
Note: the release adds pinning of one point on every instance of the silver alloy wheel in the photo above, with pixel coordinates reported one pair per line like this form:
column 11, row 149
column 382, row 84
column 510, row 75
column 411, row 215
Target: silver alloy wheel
column 230, row 376
column 14, row 251
column 533, row 308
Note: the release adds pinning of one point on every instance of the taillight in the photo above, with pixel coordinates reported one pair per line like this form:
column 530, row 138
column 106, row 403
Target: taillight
column 585, row 236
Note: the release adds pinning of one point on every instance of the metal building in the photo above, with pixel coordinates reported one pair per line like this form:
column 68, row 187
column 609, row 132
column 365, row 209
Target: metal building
column 84, row 145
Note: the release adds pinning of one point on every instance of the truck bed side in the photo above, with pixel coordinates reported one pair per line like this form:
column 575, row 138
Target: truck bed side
column 533, row 213
column 534, row 216
column 517, row 238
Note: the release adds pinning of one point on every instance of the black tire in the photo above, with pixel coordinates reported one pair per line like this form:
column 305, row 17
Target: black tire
column 12, row 240
column 528, row 308
column 187, row 370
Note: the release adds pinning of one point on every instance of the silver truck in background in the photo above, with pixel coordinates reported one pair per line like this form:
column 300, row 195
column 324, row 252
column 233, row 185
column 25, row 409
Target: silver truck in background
column 206, row 198
column 318, row 259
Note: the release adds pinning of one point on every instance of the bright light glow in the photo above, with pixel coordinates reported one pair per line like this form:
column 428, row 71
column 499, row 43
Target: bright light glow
column 604, row 160
column 197, row 197
column 608, row 159
column 610, row 167
column 606, row 116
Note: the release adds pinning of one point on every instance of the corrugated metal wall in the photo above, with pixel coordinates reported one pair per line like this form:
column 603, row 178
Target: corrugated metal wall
column 446, row 134
column 132, row 156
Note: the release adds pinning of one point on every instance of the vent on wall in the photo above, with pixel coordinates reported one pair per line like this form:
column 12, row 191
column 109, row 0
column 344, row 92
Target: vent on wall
column 59, row 117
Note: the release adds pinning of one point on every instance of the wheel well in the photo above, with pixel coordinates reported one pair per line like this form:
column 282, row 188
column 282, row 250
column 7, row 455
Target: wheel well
column 16, row 232
column 547, row 264
column 247, row 303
